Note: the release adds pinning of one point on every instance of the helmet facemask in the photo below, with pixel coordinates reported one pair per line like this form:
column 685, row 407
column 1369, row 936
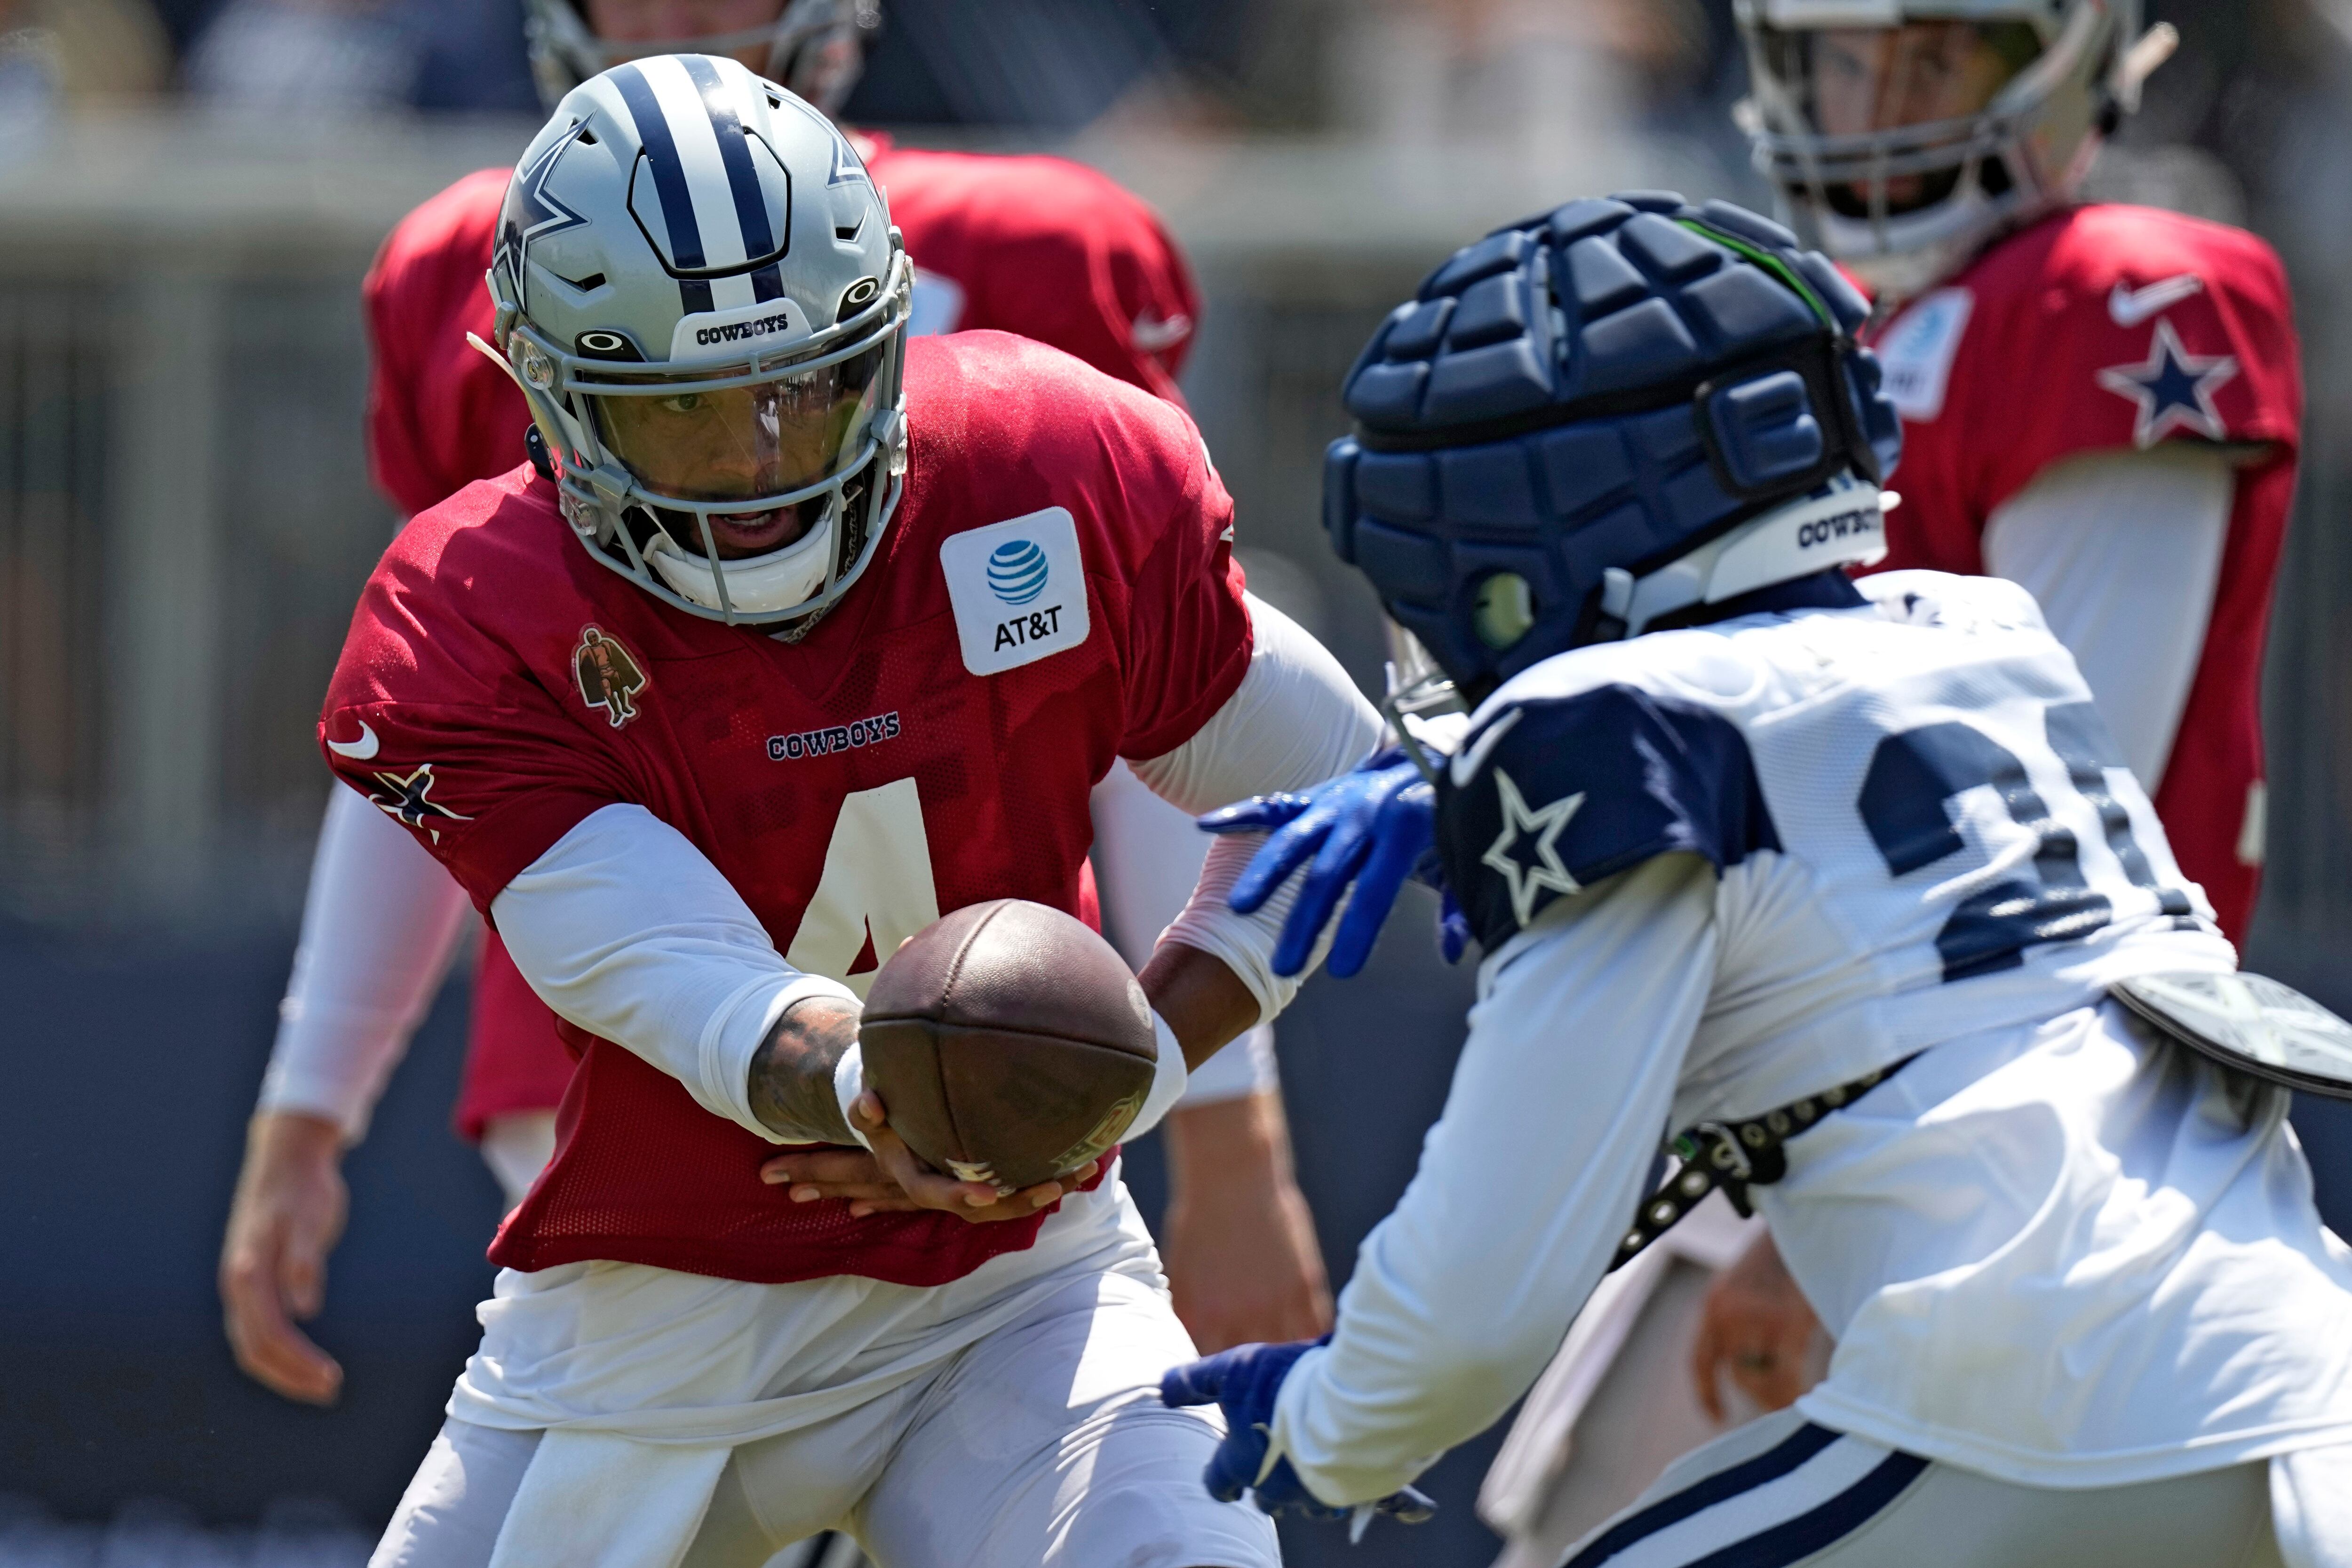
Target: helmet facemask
column 751, row 489
column 816, row 47
column 1902, row 149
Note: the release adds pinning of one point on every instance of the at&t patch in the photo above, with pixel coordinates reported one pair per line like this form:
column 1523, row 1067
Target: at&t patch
column 1019, row 590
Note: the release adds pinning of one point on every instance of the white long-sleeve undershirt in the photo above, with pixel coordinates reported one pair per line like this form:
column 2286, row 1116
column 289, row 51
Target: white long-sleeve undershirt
column 1294, row 721
column 1148, row 859
column 1526, row 1186
column 379, row 927
column 2123, row 551
column 625, row 929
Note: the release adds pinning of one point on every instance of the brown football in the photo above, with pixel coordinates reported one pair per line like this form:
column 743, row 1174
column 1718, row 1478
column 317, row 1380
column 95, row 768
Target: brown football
column 1009, row 1042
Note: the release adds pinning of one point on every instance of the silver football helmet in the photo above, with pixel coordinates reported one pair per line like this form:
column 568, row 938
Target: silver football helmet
column 816, row 47
column 1905, row 134
column 700, row 293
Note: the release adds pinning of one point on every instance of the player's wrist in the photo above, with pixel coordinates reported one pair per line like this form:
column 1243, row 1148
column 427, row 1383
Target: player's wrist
column 288, row 1135
column 795, row 1072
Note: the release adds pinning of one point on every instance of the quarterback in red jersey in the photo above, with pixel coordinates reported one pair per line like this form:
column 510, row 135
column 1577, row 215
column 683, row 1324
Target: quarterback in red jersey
column 793, row 636
column 1038, row 245
column 2101, row 403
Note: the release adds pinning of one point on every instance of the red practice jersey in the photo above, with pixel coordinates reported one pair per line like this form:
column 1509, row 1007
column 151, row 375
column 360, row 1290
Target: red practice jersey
column 1041, row 246
column 928, row 745
column 2104, row 328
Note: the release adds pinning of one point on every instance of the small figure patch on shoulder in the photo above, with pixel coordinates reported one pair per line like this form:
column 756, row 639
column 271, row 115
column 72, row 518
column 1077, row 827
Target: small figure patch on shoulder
column 610, row 676
column 1018, row 589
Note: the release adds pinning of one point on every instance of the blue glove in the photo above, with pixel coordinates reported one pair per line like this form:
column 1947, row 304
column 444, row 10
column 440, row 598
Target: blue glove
column 1243, row 1382
column 1374, row 827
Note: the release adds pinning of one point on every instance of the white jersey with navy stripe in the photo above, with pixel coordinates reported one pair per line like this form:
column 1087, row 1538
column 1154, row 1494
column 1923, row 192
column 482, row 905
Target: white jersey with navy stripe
column 1922, row 780
column 1720, row 870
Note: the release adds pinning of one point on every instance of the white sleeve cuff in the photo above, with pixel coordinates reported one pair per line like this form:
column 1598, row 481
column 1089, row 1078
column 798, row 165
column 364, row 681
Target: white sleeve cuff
column 848, row 1083
column 1242, row 1070
column 1168, row 1078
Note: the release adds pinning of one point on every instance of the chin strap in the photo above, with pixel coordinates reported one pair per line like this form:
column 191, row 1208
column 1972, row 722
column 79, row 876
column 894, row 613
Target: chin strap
column 1840, row 526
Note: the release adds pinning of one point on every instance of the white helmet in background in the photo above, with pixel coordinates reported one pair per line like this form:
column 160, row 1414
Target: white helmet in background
column 816, row 47
column 700, row 291
column 1905, row 134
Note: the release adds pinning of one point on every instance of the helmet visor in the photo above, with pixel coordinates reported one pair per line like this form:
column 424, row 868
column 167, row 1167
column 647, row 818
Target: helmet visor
column 743, row 443
column 1854, row 81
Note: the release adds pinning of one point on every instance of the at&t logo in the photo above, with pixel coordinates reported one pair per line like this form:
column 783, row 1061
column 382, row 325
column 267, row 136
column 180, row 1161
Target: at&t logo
column 1017, row 571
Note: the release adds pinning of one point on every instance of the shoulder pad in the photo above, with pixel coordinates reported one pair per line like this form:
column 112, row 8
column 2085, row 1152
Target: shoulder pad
column 1921, row 598
column 1551, row 794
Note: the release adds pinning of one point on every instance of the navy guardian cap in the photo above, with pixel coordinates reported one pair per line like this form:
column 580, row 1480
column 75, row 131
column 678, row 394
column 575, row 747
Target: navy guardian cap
column 1618, row 413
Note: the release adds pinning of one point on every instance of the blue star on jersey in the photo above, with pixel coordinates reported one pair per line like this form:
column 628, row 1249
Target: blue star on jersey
column 2173, row 388
column 409, row 804
column 1526, row 853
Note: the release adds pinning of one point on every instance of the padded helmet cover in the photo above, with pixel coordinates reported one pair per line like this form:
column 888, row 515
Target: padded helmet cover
column 1612, row 385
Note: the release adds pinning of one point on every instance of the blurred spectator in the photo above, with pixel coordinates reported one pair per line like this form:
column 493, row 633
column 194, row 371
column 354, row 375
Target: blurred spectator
column 59, row 52
column 1533, row 71
column 318, row 58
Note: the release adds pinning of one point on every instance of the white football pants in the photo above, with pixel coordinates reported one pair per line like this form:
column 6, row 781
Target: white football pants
column 1043, row 1446
column 1780, row 1492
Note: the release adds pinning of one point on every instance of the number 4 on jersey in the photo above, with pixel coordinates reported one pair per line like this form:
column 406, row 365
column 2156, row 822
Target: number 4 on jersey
column 1905, row 800
column 876, row 890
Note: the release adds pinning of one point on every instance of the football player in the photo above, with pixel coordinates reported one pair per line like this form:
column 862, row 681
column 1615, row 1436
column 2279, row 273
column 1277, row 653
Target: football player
column 1035, row 246
column 1840, row 883
column 792, row 635
column 2101, row 403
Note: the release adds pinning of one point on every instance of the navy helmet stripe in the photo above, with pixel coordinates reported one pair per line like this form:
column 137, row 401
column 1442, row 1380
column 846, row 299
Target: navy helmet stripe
column 669, row 182
column 1769, row 1466
column 1798, row 1539
column 767, row 283
column 735, row 154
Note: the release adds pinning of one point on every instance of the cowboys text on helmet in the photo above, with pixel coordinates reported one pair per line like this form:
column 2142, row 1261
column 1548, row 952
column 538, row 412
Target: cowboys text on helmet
column 701, row 292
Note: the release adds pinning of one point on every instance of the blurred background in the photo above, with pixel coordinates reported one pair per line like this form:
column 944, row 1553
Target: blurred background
column 189, row 193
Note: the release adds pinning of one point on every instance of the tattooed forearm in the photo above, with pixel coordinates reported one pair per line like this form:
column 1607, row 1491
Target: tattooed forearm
column 792, row 1075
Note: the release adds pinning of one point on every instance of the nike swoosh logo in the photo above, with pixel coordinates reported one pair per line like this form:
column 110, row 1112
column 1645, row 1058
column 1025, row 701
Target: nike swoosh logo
column 1474, row 757
column 1150, row 334
column 359, row 751
column 2129, row 307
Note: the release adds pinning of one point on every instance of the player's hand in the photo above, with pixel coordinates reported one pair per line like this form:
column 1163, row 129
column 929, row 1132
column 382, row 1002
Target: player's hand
column 1237, row 1240
column 1756, row 1325
column 287, row 1217
column 1243, row 1382
column 925, row 1188
column 850, row 1174
column 1374, row 827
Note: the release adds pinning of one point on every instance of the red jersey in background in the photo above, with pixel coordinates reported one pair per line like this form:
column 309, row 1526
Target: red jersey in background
column 2104, row 328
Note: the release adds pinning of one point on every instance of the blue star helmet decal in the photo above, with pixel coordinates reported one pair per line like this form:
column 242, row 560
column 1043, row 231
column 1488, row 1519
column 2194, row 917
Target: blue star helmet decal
column 2173, row 388
column 533, row 212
